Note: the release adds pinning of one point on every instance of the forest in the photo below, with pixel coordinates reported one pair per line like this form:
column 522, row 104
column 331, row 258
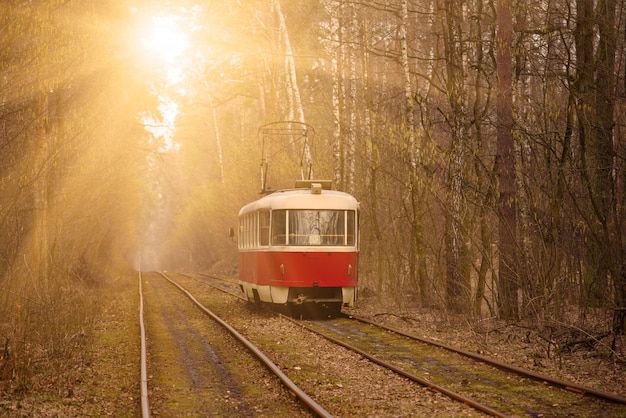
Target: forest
column 484, row 139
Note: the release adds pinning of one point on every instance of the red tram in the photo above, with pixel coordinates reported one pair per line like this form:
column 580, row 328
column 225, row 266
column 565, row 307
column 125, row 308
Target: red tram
column 299, row 248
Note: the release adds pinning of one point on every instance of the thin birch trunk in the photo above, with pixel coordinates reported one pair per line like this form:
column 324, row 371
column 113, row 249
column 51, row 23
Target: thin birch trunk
column 336, row 88
column 296, row 111
column 352, row 123
column 218, row 142
column 409, row 102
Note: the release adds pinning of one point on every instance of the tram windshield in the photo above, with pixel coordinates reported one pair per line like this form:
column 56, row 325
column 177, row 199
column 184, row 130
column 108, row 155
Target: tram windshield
column 313, row 227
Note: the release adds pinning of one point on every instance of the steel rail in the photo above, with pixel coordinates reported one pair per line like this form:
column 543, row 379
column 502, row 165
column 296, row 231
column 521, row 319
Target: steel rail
column 454, row 395
column 571, row 386
column 291, row 386
column 221, row 289
column 145, row 407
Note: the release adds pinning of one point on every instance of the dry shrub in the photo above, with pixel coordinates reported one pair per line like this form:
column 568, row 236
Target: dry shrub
column 47, row 330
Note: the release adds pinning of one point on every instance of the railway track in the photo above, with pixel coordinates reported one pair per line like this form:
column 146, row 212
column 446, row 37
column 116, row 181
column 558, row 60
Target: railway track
column 570, row 386
column 195, row 367
column 490, row 386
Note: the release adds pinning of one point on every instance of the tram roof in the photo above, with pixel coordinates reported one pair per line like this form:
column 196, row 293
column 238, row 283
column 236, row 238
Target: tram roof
column 302, row 198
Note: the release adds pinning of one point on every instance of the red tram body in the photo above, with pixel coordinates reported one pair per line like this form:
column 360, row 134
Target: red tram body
column 300, row 247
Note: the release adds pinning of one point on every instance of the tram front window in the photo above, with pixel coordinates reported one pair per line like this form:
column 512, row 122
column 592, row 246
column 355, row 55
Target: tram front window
column 317, row 227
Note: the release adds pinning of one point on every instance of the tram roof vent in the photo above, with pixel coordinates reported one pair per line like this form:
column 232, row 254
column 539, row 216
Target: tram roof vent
column 316, row 186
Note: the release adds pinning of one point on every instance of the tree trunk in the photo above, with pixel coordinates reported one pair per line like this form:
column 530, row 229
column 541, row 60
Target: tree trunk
column 335, row 41
column 507, row 275
column 39, row 236
column 457, row 272
column 482, row 183
column 413, row 149
column 594, row 88
column 611, row 238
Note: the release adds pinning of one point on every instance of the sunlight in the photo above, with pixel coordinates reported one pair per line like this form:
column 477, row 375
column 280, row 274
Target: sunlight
column 166, row 40
column 163, row 128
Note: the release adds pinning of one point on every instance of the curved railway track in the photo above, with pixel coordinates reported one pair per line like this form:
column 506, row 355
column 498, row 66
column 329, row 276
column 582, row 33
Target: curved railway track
column 490, row 386
column 291, row 387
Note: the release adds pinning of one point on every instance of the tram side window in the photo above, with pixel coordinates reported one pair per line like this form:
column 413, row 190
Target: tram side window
column 255, row 230
column 350, row 227
column 240, row 236
column 264, row 227
column 279, row 227
column 243, row 231
column 249, row 224
column 252, row 229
